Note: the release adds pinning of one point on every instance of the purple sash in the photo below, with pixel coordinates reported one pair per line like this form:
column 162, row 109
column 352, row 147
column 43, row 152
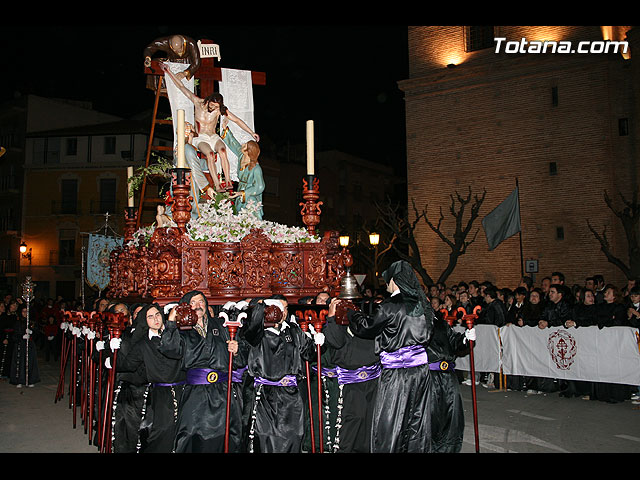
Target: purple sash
column 442, row 366
column 286, row 381
column 236, row 375
column 205, row 376
column 326, row 372
column 405, row 357
column 168, row 384
column 358, row 375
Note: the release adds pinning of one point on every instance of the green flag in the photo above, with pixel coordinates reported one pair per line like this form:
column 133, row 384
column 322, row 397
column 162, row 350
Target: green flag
column 503, row 221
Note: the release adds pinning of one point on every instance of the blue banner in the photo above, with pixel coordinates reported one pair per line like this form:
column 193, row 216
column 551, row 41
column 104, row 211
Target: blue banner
column 100, row 247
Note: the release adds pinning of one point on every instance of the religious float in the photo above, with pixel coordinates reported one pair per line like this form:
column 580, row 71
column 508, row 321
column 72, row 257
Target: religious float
column 226, row 255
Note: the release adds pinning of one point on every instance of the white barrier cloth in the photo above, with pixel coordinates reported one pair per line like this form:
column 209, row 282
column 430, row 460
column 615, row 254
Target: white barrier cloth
column 607, row 355
column 486, row 350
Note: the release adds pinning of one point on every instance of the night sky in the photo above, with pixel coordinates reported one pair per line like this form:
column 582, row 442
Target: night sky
column 344, row 77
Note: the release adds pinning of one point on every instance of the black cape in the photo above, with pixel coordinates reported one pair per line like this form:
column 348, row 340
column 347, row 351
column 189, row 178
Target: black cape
column 202, row 408
column 401, row 419
column 277, row 411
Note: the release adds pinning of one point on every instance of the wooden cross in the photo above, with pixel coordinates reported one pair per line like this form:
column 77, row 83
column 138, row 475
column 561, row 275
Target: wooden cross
column 207, row 74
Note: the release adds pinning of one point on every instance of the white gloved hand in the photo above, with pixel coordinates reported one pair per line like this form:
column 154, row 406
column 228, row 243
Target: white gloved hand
column 63, row 325
column 470, row 335
column 318, row 337
column 26, row 336
column 75, row 331
column 114, row 343
column 85, row 330
column 228, row 305
column 241, row 304
column 91, row 335
column 50, row 337
column 100, row 345
column 107, row 362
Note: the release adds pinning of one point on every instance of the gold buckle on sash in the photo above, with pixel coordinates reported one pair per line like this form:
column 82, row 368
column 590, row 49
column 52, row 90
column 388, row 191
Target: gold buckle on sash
column 212, row 377
column 444, row 365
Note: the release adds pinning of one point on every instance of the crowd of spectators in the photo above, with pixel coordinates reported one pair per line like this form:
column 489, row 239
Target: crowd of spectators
column 552, row 303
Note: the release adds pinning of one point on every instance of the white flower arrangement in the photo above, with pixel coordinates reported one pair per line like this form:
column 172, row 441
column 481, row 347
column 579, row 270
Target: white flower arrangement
column 219, row 222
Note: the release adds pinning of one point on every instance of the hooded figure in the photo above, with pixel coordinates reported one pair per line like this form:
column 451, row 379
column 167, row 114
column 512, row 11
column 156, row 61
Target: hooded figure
column 401, row 329
column 130, row 387
column 275, row 363
column 166, row 377
column 204, row 351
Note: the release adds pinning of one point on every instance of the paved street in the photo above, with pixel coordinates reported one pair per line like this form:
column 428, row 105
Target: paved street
column 509, row 422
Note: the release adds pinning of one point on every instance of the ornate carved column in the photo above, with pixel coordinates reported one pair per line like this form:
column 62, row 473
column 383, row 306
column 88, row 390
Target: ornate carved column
column 130, row 221
column 311, row 207
column 181, row 205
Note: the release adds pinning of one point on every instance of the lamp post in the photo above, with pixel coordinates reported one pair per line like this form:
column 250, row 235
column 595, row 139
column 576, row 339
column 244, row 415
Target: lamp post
column 374, row 239
column 24, row 252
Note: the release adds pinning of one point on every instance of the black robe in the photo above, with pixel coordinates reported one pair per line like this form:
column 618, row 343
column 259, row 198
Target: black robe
column 166, row 376
column 447, row 412
column 129, row 394
column 24, row 362
column 277, row 420
column 357, row 399
column 401, row 420
column 7, row 322
column 202, row 407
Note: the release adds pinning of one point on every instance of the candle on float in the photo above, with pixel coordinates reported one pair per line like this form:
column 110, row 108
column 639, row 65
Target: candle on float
column 181, row 162
column 310, row 166
column 129, row 193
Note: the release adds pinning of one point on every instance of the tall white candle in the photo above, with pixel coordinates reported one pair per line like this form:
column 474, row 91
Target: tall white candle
column 181, row 161
column 129, row 196
column 310, row 148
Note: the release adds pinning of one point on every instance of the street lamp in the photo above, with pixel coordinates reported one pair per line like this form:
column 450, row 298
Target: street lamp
column 344, row 241
column 24, row 252
column 374, row 239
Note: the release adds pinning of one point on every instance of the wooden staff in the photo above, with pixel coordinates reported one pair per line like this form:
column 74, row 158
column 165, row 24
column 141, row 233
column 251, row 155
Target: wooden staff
column 469, row 319
column 84, row 379
column 232, row 327
column 115, row 324
column 92, row 322
column 64, row 356
column 317, row 325
column 304, row 325
column 74, row 373
column 99, row 382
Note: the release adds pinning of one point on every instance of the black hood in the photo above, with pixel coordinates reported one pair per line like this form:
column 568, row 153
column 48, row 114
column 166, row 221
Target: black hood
column 405, row 278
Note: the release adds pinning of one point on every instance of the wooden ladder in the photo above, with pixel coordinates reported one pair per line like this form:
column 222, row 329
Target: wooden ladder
column 148, row 202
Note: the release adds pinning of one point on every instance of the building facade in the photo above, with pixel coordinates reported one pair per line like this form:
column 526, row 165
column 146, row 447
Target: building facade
column 562, row 124
column 18, row 119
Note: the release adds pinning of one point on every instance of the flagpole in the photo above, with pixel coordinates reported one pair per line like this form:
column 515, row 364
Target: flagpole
column 520, row 218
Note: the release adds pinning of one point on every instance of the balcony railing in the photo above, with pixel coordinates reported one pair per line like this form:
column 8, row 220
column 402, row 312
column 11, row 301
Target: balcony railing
column 8, row 265
column 98, row 207
column 65, row 208
column 60, row 258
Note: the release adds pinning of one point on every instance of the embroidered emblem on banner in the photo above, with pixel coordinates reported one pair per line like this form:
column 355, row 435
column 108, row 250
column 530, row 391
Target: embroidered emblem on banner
column 98, row 252
column 562, row 347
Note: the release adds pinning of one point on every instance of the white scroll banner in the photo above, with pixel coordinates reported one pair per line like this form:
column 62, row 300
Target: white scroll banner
column 177, row 99
column 236, row 88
